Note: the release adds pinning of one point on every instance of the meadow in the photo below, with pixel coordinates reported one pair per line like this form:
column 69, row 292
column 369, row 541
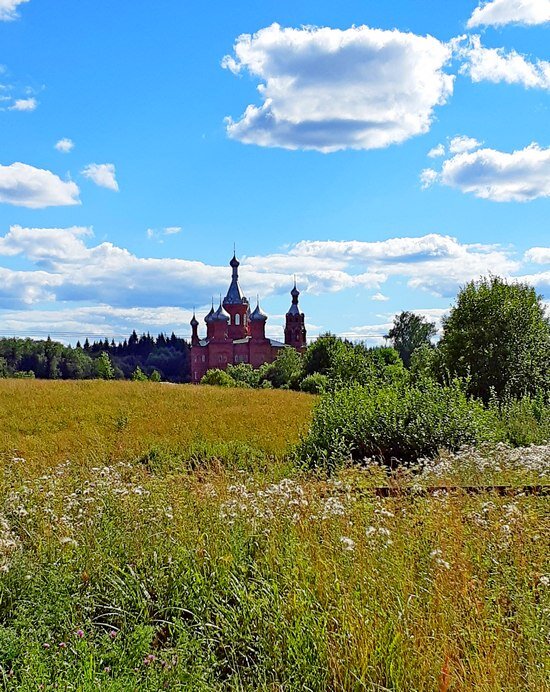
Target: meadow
column 162, row 537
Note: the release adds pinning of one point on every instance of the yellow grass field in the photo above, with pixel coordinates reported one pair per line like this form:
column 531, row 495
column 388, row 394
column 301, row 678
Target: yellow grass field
column 49, row 421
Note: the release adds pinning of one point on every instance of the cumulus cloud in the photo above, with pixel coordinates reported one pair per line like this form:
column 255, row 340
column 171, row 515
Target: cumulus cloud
column 102, row 174
column 64, row 268
column 64, row 145
column 29, row 104
column 538, row 255
column 8, row 9
column 172, row 230
column 437, row 151
column 69, row 267
column 26, row 186
column 500, row 12
column 330, row 89
column 462, row 143
column 498, row 65
column 521, row 176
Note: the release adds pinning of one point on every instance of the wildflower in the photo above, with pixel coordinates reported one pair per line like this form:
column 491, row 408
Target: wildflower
column 347, row 543
column 544, row 580
column 66, row 540
column 113, row 634
column 80, row 634
column 150, row 658
column 62, row 645
column 46, row 645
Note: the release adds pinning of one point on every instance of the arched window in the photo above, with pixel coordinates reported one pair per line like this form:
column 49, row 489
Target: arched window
column 237, row 319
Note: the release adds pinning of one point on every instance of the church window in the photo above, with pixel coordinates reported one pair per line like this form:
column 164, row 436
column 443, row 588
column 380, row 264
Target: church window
column 237, row 319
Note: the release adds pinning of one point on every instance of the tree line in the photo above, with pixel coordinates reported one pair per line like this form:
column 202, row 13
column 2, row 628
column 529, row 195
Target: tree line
column 138, row 357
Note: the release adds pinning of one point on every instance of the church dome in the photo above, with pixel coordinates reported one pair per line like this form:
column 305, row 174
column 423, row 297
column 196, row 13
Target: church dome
column 258, row 314
column 221, row 314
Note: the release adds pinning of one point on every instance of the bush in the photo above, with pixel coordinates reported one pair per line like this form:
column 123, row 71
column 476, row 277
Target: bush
column 394, row 423
column 218, row 378
column 244, row 374
column 315, row 384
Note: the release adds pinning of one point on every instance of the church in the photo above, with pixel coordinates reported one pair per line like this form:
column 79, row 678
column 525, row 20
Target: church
column 234, row 334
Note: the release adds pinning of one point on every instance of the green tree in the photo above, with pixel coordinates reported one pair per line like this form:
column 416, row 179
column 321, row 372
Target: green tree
column 286, row 370
column 139, row 376
column 103, row 367
column 498, row 337
column 321, row 355
column 408, row 333
column 155, row 376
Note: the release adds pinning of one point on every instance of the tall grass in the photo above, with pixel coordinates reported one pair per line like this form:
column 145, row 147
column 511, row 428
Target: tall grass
column 222, row 568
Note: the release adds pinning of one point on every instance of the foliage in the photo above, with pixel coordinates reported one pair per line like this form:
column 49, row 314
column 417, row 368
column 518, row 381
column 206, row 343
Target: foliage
column 321, row 354
column 155, row 376
column 48, row 359
column 104, row 368
column 314, row 384
column 497, row 336
column 395, row 424
column 218, row 378
column 245, row 374
column 286, row 369
column 409, row 332
column 139, row 375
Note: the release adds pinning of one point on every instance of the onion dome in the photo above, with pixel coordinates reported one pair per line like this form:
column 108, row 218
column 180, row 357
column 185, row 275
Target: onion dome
column 209, row 316
column 234, row 294
column 258, row 314
column 294, row 309
column 194, row 322
column 221, row 314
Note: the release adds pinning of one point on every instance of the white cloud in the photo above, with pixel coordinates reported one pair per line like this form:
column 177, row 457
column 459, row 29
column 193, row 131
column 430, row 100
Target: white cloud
column 379, row 297
column 8, row 9
column 500, row 12
column 462, row 143
column 29, row 104
column 498, row 65
column 69, row 271
column 26, row 186
column 436, row 151
column 521, row 176
column 64, row 145
column 538, row 255
column 331, row 89
column 428, row 177
column 102, row 174
column 154, row 234
column 64, row 266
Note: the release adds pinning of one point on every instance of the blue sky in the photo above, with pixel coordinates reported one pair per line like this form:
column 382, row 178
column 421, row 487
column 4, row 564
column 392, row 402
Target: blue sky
column 298, row 130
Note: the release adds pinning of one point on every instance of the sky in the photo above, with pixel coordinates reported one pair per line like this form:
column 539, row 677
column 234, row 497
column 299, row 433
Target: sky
column 384, row 153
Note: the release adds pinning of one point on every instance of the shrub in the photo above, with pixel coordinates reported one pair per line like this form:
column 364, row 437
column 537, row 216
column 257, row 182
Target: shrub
column 139, row 376
column 394, row 423
column 218, row 378
column 244, row 374
column 315, row 384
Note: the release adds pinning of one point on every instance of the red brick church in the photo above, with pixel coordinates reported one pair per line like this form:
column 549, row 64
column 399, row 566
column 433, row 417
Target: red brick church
column 236, row 335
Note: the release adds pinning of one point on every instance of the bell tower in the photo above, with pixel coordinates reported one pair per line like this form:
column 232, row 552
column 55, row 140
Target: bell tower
column 236, row 305
column 295, row 324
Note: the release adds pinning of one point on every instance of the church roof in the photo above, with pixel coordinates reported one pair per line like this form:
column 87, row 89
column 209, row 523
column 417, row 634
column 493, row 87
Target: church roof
column 220, row 314
column 234, row 294
column 258, row 314
column 294, row 309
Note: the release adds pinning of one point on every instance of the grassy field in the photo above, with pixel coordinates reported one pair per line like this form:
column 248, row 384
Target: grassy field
column 156, row 537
